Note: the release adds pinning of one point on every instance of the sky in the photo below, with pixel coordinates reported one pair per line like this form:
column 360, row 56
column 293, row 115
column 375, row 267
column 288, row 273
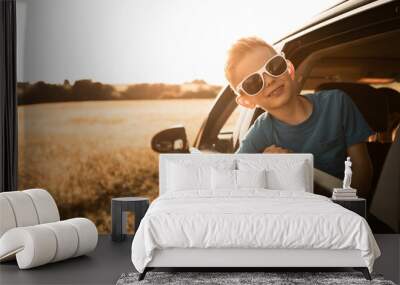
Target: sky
column 134, row 41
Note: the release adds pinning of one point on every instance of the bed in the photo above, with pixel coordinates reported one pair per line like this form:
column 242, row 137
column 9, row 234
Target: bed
column 247, row 210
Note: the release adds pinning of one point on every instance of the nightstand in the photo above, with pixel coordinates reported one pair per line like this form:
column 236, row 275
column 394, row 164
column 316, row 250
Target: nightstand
column 119, row 207
column 357, row 205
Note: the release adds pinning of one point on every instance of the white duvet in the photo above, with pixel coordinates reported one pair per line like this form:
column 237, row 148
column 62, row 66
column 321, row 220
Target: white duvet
column 250, row 219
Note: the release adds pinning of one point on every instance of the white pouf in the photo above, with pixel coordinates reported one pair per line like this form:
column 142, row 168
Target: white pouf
column 31, row 230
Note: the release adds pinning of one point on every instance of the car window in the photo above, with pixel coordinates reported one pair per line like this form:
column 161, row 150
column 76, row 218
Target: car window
column 245, row 121
column 230, row 123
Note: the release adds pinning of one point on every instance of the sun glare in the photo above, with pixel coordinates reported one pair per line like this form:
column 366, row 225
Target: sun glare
column 127, row 41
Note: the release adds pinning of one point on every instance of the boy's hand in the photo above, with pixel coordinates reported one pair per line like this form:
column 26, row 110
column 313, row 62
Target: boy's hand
column 276, row 149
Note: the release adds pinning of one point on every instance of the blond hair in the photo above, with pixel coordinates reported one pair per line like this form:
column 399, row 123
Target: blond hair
column 239, row 49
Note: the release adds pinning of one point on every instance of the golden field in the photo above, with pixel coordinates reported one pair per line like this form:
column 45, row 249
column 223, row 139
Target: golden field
column 85, row 153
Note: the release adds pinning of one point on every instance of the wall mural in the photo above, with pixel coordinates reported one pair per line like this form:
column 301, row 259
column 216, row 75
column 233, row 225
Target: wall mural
column 98, row 79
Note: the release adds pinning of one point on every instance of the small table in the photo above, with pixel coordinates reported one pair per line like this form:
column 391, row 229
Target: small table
column 357, row 205
column 119, row 207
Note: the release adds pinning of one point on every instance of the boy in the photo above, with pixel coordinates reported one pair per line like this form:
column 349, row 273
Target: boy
column 326, row 123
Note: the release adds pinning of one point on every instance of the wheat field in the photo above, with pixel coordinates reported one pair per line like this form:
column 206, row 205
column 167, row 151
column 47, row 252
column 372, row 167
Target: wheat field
column 85, row 153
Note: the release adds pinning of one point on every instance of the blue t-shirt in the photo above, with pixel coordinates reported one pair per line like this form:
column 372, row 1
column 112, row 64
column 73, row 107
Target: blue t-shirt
column 334, row 124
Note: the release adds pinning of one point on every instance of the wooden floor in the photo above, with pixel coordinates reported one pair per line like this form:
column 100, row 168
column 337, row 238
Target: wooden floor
column 111, row 259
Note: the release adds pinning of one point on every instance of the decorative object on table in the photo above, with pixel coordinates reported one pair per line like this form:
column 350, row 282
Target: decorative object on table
column 119, row 209
column 347, row 174
column 32, row 233
column 357, row 205
column 345, row 193
column 244, row 278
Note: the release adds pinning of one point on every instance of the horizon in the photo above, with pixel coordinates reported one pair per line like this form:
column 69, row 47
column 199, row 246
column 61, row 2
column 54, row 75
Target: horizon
column 72, row 82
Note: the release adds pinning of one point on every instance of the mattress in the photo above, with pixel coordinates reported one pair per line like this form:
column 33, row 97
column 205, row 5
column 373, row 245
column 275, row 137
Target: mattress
column 250, row 219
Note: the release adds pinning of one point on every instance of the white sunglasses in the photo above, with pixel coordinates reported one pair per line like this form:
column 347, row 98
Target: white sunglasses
column 275, row 67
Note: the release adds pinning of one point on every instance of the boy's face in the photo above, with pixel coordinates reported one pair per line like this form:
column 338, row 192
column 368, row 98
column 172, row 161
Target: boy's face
column 276, row 92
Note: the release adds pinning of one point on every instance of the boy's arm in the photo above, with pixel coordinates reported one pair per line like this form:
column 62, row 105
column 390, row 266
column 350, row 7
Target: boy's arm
column 362, row 168
column 276, row 149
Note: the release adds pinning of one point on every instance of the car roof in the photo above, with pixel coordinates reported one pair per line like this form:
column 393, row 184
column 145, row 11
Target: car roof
column 338, row 9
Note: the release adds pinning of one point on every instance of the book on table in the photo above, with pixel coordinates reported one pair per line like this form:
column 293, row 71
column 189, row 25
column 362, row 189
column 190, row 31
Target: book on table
column 344, row 194
column 344, row 197
column 341, row 190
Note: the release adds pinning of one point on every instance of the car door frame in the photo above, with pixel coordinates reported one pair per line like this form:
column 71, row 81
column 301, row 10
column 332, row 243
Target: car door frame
column 222, row 108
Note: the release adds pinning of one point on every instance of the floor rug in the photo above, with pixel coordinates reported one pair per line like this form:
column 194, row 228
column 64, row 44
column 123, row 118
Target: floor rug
column 244, row 278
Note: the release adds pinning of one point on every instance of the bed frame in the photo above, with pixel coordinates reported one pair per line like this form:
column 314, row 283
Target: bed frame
column 240, row 259
column 246, row 259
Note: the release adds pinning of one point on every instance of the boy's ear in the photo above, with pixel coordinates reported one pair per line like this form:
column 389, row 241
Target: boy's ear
column 241, row 100
column 291, row 69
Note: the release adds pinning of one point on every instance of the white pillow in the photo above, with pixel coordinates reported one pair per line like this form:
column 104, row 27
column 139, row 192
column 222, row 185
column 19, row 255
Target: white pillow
column 223, row 179
column 193, row 175
column 281, row 174
column 251, row 178
column 227, row 179
column 292, row 179
column 183, row 178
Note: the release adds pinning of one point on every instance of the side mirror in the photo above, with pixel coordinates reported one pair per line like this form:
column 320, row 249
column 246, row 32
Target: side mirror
column 173, row 139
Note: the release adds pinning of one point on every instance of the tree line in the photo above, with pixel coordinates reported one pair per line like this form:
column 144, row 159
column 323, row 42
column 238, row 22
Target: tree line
column 86, row 90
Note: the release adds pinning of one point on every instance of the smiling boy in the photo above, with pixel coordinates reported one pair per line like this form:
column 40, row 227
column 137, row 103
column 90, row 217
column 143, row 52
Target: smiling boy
column 326, row 123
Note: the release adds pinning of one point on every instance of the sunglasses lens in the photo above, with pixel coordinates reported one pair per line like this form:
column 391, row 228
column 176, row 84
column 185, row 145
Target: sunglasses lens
column 253, row 84
column 277, row 66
